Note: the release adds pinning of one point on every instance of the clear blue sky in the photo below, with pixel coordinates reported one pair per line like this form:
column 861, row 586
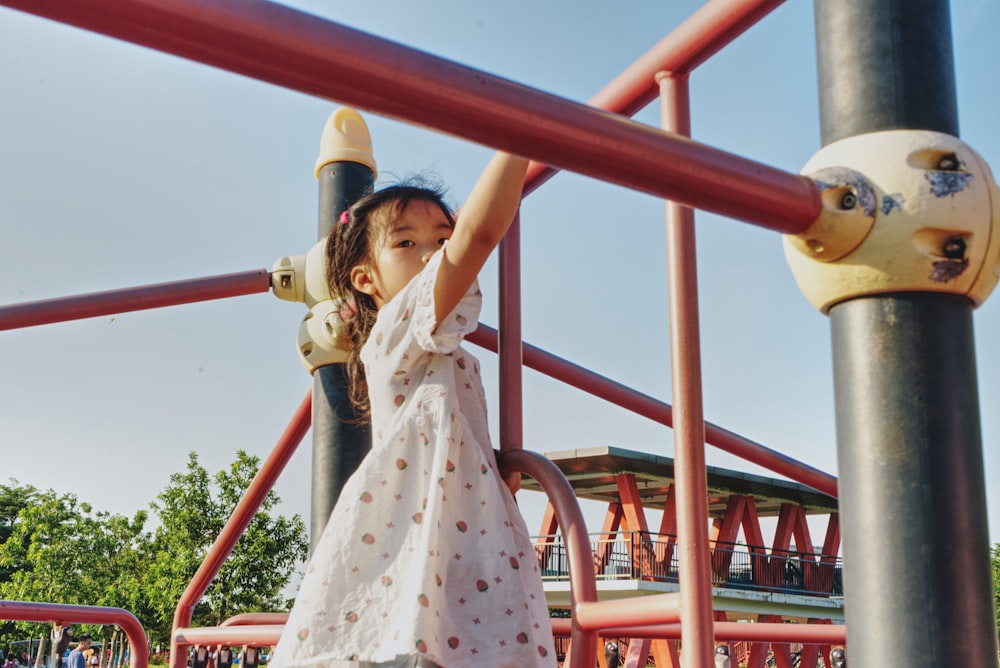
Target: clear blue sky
column 121, row 166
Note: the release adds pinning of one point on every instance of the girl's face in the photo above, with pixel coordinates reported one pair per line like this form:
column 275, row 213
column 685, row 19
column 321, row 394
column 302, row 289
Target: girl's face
column 402, row 251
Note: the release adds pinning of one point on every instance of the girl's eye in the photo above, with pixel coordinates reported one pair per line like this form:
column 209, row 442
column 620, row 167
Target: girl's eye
column 442, row 240
column 405, row 243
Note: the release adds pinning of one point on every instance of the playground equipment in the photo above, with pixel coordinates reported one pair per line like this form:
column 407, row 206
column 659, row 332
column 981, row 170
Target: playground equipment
column 302, row 52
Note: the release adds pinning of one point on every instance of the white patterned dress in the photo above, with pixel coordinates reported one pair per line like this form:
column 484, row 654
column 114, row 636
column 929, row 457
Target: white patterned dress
column 425, row 558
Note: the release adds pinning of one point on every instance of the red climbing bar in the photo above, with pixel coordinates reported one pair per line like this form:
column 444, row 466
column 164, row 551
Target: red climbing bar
column 661, row 412
column 826, row 634
column 76, row 307
column 83, row 614
column 689, row 422
column 243, row 634
column 281, row 45
column 652, row 609
column 583, row 585
column 714, row 25
column 509, row 340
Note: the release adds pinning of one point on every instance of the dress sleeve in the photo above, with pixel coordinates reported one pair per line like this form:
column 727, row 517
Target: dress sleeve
column 463, row 319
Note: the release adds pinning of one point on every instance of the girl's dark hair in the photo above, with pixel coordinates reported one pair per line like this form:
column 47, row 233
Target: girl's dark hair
column 352, row 242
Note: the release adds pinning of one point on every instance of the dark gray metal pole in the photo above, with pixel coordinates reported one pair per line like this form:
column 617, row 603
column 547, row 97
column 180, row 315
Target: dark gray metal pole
column 884, row 65
column 339, row 443
column 912, row 492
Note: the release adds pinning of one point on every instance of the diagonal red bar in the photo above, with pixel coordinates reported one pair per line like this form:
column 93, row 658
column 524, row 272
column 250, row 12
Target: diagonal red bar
column 658, row 411
column 714, row 25
column 301, row 52
column 139, row 298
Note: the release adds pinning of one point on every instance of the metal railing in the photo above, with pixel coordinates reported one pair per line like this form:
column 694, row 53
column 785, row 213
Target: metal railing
column 638, row 555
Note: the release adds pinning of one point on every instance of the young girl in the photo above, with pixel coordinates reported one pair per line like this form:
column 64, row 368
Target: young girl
column 425, row 560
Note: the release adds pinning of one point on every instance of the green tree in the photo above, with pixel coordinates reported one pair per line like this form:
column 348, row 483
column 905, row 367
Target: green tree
column 192, row 510
column 266, row 556
column 995, row 563
column 55, row 548
column 13, row 498
column 60, row 550
column 50, row 548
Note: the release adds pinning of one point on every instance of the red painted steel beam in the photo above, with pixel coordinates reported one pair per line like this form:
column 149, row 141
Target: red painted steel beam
column 139, row 298
column 252, row 499
column 83, row 614
column 714, row 25
column 661, row 412
column 283, row 46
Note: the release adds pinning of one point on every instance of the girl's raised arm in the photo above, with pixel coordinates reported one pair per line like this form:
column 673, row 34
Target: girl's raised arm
column 482, row 222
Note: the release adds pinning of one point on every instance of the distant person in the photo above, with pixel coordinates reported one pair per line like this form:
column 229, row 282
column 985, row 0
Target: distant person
column 250, row 657
column 199, row 657
column 224, row 657
column 722, row 656
column 61, row 636
column 76, row 657
column 612, row 654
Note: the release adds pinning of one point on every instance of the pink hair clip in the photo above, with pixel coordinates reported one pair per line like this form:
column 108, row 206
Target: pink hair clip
column 348, row 309
column 344, row 217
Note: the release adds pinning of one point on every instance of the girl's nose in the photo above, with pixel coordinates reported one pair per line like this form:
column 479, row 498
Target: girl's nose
column 425, row 258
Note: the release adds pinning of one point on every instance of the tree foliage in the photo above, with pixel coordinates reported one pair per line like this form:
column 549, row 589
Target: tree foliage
column 193, row 510
column 995, row 563
column 56, row 548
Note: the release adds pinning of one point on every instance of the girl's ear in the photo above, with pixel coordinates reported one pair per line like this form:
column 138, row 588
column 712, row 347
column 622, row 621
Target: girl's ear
column 362, row 280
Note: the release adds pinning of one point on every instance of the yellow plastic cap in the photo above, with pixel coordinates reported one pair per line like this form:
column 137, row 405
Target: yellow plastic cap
column 346, row 139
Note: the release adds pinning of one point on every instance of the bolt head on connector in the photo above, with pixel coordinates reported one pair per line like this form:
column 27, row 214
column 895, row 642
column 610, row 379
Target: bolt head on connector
column 903, row 211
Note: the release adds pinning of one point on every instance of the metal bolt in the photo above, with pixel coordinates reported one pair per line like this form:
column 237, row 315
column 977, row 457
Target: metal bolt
column 954, row 248
column 948, row 163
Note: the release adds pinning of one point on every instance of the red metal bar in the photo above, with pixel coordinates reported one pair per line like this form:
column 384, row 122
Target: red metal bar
column 83, row 614
column 704, row 33
column 690, row 476
column 302, row 52
column 583, row 585
column 242, row 634
column 633, row 610
column 139, row 298
column 511, row 400
column 831, row 634
column 256, row 619
column 237, row 524
column 661, row 412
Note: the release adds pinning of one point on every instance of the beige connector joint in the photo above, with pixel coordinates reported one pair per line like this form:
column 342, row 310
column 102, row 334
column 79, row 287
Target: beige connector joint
column 903, row 211
column 322, row 337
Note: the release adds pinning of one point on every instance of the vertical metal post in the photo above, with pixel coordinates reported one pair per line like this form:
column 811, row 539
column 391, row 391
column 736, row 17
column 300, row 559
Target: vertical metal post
column 697, row 645
column 339, row 442
column 912, row 492
column 509, row 342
